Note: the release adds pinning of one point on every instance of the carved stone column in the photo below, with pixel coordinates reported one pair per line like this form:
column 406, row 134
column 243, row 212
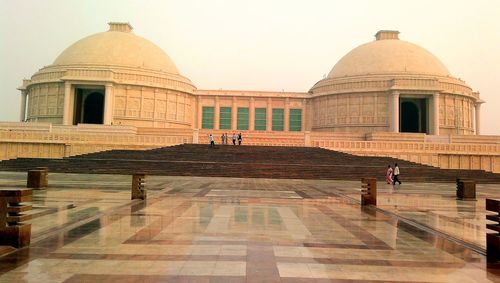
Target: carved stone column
column 217, row 114
column 477, row 111
column 304, row 113
column 394, row 124
column 269, row 114
column 234, row 114
column 251, row 115
column 435, row 116
column 287, row 115
column 108, row 105
column 22, row 114
column 67, row 104
column 199, row 112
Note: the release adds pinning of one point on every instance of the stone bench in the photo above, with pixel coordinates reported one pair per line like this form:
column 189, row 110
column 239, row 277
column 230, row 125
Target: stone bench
column 13, row 231
column 493, row 239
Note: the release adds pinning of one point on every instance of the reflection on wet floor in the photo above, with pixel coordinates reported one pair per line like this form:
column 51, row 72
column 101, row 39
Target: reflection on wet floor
column 87, row 229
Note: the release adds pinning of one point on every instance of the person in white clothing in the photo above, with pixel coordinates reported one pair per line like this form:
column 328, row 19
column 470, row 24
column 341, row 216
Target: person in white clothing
column 212, row 143
column 396, row 175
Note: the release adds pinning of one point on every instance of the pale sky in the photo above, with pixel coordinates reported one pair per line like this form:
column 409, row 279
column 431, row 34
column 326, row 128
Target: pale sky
column 260, row 44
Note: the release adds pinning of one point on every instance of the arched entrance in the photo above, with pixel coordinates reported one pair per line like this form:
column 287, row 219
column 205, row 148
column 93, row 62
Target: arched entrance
column 409, row 117
column 93, row 108
column 413, row 115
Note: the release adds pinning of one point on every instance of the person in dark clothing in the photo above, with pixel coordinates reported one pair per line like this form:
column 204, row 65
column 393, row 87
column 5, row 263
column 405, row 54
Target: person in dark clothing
column 239, row 139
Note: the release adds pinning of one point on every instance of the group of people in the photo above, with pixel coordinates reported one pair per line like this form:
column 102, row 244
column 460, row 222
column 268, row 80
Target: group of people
column 392, row 175
column 224, row 139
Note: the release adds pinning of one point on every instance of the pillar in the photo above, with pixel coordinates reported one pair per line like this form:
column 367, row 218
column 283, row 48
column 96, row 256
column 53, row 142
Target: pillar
column 395, row 112
column 108, row 105
column 234, row 114
column 269, row 115
column 435, row 116
column 67, row 104
column 286, row 114
column 217, row 113
column 22, row 116
column 199, row 113
column 251, row 114
column 477, row 111
column 304, row 117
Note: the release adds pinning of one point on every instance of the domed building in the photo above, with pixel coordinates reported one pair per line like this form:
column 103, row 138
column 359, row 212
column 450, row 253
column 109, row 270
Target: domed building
column 113, row 77
column 117, row 90
column 390, row 85
column 119, row 78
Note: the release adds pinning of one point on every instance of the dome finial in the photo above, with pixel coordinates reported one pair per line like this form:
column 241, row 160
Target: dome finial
column 387, row 34
column 118, row 26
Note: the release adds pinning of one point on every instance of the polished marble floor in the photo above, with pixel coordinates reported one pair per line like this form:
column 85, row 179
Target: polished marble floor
column 86, row 229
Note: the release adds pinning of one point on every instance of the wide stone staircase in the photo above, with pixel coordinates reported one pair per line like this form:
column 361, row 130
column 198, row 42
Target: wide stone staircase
column 246, row 162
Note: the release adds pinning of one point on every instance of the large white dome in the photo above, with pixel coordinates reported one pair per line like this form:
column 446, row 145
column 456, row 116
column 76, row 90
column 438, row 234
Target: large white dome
column 388, row 55
column 117, row 47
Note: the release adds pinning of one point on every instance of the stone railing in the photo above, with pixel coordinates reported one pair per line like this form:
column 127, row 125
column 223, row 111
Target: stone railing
column 463, row 152
column 413, row 147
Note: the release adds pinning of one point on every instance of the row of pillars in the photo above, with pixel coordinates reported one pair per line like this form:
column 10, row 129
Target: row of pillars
column 251, row 114
column 109, row 97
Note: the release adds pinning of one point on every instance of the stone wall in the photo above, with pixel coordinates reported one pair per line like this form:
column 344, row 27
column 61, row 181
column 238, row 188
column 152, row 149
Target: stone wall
column 152, row 107
column 351, row 112
column 45, row 103
column 56, row 141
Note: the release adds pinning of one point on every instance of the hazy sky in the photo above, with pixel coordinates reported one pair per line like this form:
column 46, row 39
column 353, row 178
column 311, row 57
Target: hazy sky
column 258, row 45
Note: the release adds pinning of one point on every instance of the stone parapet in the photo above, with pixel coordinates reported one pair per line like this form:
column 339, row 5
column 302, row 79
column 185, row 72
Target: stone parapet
column 464, row 152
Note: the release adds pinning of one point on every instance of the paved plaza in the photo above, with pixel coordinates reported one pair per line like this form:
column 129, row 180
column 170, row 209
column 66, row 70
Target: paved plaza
column 85, row 228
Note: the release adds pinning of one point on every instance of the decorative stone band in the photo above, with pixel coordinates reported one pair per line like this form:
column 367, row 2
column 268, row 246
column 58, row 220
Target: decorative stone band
column 381, row 83
column 118, row 75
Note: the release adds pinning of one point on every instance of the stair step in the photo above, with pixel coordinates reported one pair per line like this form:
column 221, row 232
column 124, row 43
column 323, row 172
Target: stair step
column 246, row 162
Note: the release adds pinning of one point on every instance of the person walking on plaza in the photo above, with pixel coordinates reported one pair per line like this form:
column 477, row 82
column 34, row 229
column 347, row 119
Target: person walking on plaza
column 225, row 138
column 212, row 143
column 388, row 175
column 222, row 139
column 234, row 139
column 396, row 174
column 239, row 139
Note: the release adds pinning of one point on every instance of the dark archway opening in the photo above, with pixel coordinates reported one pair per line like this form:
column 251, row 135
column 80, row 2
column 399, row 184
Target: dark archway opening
column 93, row 108
column 88, row 105
column 413, row 115
column 409, row 117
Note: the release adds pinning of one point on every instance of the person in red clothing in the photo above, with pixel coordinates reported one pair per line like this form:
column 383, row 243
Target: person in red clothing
column 388, row 175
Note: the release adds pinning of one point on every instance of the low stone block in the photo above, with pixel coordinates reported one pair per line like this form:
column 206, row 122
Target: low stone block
column 35, row 179
column 17, row 236
column 466, row 189
column 45, row 176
